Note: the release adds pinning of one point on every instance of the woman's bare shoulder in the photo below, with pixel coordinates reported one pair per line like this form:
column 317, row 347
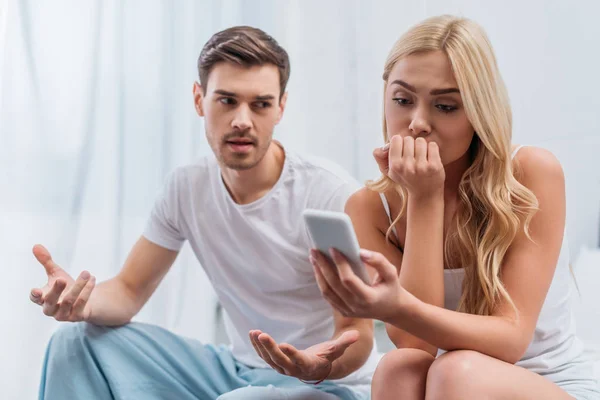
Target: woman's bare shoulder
column 536, row 164
column 366, row 205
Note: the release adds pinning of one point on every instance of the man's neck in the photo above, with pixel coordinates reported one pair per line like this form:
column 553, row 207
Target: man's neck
column 249, row 185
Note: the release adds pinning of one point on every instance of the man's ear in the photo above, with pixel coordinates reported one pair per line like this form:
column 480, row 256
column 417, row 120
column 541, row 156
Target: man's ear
column 282, row 103
column 198, row 97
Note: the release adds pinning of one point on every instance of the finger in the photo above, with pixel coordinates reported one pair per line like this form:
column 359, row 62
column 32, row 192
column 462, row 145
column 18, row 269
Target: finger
column 251, row 337
column 65, row 305
column 347, row 338
column 348, row 278
column 433, row 153
column 51, row 298
column 344, row 341
column 43, row 256
column 36, row 296
column 76, row 288
column 408, row 150
column 386, row 270
column 381, row 155
column 260, row 350
column 376, row 279
column 81, row 301
column 254, row 340
column 297, row 357
column 344, row 270
column 329, row 294
column 396, row 146
column 264, row 354
column 421, row 151
column 275, row 352
column 329, row 271
column 252, row 334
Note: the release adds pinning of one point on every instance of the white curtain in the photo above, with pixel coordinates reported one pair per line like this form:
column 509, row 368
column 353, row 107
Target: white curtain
column 96, row 108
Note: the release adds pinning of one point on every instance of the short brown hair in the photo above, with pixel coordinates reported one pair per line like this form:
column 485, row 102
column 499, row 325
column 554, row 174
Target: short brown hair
column 246, row 46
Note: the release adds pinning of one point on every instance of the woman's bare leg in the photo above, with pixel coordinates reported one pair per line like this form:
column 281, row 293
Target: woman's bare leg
column 465, row 374
column 401, row 373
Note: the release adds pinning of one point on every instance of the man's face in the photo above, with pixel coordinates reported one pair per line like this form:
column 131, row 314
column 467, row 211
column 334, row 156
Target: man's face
column 240, row 106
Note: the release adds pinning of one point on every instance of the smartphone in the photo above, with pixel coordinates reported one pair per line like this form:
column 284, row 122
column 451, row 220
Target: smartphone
column 331, row 229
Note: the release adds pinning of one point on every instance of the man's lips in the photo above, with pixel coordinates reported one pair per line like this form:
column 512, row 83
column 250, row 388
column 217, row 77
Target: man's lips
column 240, row 141
column 240, row 146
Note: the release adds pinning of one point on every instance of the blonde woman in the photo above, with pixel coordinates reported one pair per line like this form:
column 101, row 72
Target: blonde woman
column 465, row 233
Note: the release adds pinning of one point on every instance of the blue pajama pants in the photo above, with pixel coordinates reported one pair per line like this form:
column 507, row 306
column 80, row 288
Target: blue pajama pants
column 140, row 361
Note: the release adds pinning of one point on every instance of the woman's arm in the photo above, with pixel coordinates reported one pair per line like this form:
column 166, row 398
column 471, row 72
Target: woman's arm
column 422, row 270
column 415, row 165
column 527, row 272
column 370, row 223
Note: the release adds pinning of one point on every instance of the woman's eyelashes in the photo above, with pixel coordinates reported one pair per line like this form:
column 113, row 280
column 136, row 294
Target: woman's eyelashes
column 442, row 107
column 446, row 108
column 401, row 101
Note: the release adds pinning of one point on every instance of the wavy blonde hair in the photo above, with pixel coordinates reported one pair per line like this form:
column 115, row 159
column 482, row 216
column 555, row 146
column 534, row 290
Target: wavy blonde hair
column 492, row 203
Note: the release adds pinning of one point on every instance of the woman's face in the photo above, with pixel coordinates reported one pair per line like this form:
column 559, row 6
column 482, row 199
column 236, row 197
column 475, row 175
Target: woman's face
column 422, row 100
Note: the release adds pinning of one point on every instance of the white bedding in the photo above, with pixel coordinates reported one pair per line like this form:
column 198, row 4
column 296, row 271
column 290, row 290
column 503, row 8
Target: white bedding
column 587, row 303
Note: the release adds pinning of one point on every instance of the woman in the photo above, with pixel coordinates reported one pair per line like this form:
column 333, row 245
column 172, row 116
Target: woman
column 466, row 236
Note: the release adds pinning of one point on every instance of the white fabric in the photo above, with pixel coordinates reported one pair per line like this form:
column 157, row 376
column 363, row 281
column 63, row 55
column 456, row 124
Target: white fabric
column 95, row 107
column 587, row 312
column 386, row 206
column 256, row 255
column 555, row 351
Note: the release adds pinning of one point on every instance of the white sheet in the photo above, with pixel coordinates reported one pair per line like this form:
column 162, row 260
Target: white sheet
column 587, row 304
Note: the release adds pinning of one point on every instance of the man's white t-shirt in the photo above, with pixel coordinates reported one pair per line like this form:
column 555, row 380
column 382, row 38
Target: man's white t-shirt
column 256, row 255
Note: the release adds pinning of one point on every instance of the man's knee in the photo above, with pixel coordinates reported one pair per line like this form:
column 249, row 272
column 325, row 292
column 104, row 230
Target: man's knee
column 75, row 339
column 74, row 332
column 68, row 335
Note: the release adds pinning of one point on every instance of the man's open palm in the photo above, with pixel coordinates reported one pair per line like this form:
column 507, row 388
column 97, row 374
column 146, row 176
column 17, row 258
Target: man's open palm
column 62, row 298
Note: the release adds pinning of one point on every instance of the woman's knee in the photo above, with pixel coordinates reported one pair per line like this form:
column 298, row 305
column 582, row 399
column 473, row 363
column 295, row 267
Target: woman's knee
column 404, row 362
column 453, row 375
column 401, row 373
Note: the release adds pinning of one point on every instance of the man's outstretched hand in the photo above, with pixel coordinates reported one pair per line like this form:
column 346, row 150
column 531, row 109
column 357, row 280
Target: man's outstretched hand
column 314, row 363
column 62, row 298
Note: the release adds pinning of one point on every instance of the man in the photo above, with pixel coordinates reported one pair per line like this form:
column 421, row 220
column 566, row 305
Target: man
column 241, row 213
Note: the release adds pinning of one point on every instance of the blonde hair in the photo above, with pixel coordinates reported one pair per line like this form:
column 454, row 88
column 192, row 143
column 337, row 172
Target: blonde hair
column 492, row 203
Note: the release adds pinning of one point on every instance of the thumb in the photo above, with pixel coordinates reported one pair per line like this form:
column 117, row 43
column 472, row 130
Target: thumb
column 381, row 155
column 43, row 256
column 376, row 279
column 347, row 338
column 386, row 270
column 339, row 345
column 344, row 340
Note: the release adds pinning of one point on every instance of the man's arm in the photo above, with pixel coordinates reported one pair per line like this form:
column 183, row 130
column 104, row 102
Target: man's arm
column 113, row 302
column 117, row 300
column 356, row 355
